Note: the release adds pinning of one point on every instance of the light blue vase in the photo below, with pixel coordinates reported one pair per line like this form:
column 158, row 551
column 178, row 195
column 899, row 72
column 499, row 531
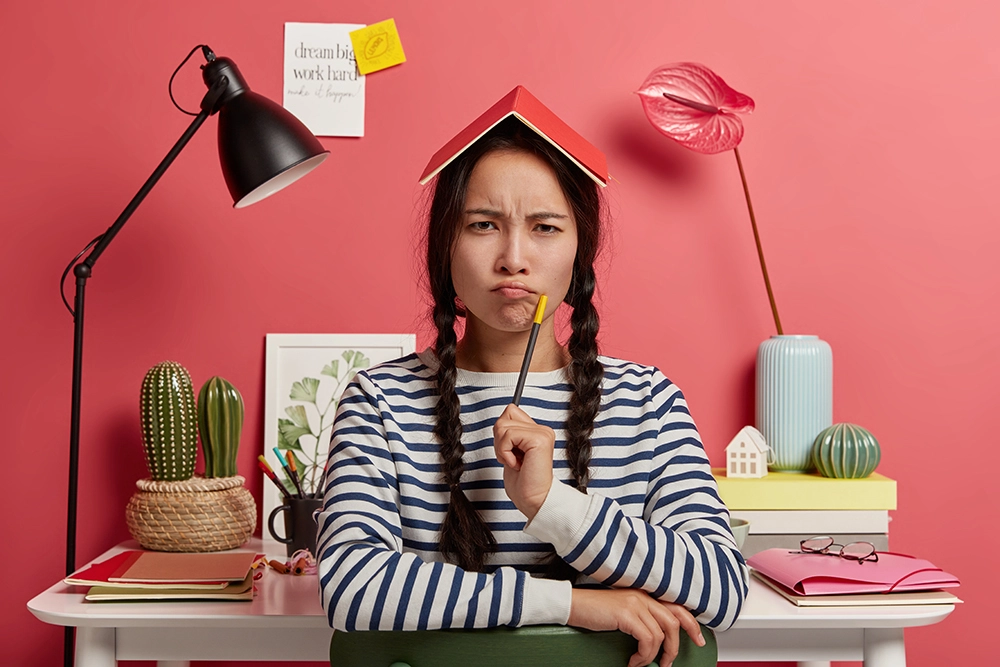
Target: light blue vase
column 794, row 398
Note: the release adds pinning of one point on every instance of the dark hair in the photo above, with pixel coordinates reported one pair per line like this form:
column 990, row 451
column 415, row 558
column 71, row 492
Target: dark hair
column 465, row 537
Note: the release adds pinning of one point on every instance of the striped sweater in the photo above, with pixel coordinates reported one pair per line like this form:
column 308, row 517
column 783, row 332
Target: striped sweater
column 651, row 518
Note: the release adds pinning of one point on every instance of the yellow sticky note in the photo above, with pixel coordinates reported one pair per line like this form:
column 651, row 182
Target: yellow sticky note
column 377, row 47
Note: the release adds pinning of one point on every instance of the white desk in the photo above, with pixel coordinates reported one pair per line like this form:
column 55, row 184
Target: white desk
column 770, row 628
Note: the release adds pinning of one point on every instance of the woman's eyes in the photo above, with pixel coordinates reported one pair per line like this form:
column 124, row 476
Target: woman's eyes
column 487, row 225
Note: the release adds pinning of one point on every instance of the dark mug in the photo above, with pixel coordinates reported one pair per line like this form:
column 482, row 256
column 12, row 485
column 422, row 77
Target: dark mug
column 300, row 523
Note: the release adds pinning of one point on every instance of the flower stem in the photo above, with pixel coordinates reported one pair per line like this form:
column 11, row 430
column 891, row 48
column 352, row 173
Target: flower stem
column 760, row 249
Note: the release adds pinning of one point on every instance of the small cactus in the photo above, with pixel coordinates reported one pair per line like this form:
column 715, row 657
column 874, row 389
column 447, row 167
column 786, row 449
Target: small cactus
column 220, row 420
column 169, row 428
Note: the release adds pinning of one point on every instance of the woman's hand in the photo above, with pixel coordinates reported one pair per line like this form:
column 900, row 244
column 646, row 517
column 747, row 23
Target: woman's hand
column 655, row 624
column 525, row 450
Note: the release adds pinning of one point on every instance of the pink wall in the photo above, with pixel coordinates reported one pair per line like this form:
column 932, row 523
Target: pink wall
column 871, row 157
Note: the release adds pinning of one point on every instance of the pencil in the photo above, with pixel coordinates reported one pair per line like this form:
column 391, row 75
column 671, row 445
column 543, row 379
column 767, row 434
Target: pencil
column 294, row 479
column 262, row 462
column 539, row 313
column 295, row 473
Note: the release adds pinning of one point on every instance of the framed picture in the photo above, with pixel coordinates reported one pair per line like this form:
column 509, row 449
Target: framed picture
column 305, row 377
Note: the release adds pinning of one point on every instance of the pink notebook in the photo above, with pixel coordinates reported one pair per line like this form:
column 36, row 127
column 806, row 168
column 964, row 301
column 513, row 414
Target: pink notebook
column 814, row 574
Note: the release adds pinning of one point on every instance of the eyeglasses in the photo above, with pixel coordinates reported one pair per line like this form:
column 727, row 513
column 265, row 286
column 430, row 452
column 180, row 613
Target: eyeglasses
column 857, row 551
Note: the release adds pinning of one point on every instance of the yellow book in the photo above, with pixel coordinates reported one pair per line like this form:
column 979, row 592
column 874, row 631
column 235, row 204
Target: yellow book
column 806, row 491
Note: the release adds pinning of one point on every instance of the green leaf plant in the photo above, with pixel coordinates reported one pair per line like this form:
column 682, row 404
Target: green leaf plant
column 308, row 439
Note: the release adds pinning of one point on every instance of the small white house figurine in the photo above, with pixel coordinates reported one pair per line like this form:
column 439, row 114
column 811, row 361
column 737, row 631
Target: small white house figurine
column 746, row 454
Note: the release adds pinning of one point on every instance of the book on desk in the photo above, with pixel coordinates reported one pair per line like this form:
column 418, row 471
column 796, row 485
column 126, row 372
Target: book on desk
column 784, row 508
column 859, row 599
column 151, row 575
column 234, row 591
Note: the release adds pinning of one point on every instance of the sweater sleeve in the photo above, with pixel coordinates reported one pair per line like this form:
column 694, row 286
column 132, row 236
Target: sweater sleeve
column 681, row 550
column 368, row 581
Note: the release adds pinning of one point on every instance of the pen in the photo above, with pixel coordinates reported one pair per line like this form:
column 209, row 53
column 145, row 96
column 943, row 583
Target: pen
column 262, row 462
column 539, row 312
column 294, row 479
column 295, row 473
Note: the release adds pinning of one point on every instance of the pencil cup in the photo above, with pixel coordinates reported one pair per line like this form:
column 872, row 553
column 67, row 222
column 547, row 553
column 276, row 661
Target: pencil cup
column 300, row 524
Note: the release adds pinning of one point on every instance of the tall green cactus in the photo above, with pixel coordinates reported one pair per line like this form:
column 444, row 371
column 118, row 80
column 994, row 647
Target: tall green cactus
column 169, row 429
column 220, row 420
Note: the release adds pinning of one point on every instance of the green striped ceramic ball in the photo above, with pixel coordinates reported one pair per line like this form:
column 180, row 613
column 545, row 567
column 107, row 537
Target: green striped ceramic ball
column 845, row 451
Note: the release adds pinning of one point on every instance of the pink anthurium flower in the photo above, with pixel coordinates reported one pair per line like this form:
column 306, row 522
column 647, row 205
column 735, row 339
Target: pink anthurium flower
column 692, row 105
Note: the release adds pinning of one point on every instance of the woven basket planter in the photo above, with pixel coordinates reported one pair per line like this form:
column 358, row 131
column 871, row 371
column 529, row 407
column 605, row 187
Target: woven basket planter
column 194, row 515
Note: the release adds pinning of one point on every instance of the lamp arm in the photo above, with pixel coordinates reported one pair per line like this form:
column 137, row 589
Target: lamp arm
column 143, row 191
column 208, row 108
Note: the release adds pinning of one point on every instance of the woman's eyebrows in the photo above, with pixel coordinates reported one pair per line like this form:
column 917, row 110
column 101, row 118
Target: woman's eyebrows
column 547, row 215
column 539, row 215
column 488, row 212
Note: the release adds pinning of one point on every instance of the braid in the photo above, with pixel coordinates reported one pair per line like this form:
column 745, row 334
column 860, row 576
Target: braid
column 586, row 374
column 465, row 537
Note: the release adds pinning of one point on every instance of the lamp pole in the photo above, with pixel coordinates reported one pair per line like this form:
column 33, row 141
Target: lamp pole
column 82, row 272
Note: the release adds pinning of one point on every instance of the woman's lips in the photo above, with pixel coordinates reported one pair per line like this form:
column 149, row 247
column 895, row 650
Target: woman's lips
column 513, row 292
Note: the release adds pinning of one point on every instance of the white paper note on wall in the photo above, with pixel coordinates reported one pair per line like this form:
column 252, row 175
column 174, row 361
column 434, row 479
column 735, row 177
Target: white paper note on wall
column 322, row 85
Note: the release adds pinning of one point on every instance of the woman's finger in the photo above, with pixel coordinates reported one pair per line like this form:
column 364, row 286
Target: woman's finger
column 686, row 620
column 649, row 644
column 671, row 638
column 515, row 413
column 524, row 438
column 668, row 627
column 658, row 636
column 503, row 447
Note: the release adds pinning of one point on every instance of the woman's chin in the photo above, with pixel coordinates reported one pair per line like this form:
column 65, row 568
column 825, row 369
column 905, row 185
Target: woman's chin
column 509, row 320
column 514, row 318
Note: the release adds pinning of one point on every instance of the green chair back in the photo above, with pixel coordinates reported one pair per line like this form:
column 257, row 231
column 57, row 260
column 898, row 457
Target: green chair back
column 530, row 646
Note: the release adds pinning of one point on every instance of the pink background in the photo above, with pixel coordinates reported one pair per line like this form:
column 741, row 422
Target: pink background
column 871, row 159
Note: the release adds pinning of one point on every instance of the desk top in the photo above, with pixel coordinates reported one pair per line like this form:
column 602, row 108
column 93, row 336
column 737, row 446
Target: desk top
column 286, row 601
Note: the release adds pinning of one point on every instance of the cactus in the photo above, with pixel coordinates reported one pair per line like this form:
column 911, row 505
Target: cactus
column 169, row 429
column 220, row 420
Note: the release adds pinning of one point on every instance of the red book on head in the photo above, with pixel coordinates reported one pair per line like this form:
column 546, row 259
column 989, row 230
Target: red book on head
column 526, row 108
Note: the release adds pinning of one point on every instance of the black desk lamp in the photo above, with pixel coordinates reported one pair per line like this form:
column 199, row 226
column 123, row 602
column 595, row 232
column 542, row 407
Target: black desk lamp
column 262, row 148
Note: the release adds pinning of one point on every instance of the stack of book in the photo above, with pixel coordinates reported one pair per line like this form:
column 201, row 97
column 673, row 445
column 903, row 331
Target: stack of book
column 153, row 575
column 785, row 508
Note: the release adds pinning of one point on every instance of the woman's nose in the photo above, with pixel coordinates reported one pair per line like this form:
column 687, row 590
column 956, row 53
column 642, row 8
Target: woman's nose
column 512, row 258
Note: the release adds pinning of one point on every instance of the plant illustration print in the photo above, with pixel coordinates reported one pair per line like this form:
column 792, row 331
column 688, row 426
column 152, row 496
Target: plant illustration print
column 306, row 432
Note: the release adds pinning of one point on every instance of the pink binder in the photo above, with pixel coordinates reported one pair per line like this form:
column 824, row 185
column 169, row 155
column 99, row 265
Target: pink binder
column 815, row 574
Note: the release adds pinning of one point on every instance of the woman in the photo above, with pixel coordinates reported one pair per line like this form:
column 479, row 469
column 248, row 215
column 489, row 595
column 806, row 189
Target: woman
column 448, row 507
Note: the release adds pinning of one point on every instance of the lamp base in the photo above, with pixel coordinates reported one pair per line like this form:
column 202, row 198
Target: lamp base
column 195, row 515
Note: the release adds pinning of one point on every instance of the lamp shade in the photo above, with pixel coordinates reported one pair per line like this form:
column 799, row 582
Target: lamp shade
column 263, row 148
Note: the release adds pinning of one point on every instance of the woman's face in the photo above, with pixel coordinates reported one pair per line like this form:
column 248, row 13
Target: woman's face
column 516, row 241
